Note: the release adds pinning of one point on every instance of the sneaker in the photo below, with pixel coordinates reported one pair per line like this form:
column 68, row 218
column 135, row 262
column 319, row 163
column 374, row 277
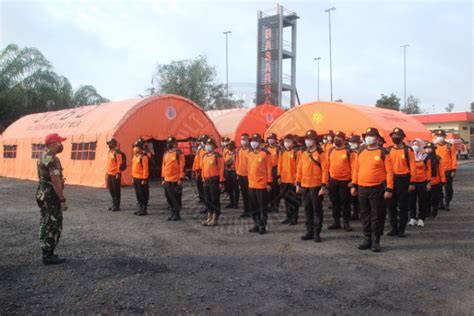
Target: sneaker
column 412, row 222
column 421, row 223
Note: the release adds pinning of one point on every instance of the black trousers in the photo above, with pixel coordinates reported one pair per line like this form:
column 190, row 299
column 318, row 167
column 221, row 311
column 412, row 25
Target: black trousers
column 372, row 210
column 275, row 192
column 114, row 188
column 418, row 196
column 244, row 189
column 398, row 205
column 259, row 206
column 448, row 188
column 212, row 195
column 232, row 187
column 313, row 209
column 200, row 187
column 142, row 191
column 355, row 206
column 340, row 195
column 433, row 199
column 174, row 194
column 292, row 200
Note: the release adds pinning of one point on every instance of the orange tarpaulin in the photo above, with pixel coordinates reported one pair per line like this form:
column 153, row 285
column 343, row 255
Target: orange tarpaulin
column 89, row 127
column 234, row 122
column 324, row 116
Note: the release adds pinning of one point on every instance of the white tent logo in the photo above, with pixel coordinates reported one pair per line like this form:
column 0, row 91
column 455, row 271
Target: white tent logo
column 269, row 117
column 171, row 112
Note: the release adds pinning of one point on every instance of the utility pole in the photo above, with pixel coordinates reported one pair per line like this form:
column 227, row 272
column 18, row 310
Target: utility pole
column 318, row 59
column 226, row 33
column 330, row 48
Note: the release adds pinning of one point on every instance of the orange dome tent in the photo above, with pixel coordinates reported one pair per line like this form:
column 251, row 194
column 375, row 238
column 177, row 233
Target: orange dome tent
column 324, row 116
column 88, row 128
column 233, row 123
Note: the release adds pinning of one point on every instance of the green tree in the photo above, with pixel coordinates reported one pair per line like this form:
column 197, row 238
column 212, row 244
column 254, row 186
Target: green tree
column 412, row 106
column 87, row 95
column 450, row 107
column 194, row 79
column 388, row 102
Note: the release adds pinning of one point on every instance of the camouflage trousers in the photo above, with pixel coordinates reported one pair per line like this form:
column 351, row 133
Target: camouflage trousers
column 51, row 222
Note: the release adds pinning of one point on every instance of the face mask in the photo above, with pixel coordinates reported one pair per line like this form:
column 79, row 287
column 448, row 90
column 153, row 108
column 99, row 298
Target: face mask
column 271, row 142
column 170, row 146
column 288, row 145
column 244, row 142
column 439, row 139
column 353, row 146
column 338, row 142
column 325, row 141
column 329, row 139
column 224, row 144
column 397, row 140
column 136, row 150
column 254, row 145
column 416, row 148
column 429, row 150
column 370, row 140
column 60, row 148
column 309, row 142
column 209, row 148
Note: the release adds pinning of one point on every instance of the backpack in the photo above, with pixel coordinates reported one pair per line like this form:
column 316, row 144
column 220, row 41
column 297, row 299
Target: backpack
column 405, row 152
column 123, row 165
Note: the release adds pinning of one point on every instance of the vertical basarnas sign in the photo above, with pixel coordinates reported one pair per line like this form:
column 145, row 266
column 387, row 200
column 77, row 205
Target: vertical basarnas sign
column 269, row 60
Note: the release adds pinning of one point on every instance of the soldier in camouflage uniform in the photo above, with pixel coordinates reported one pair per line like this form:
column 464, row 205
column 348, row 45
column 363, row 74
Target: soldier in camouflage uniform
column 50, row 198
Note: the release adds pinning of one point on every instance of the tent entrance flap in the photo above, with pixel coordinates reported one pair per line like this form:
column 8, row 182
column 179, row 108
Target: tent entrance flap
column 157, row 148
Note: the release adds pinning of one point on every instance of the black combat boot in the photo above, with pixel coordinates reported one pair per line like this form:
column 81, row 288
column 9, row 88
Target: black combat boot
column 393, row 232
column 376, row 243
column 288, row 217
column 347, row 226
column 335, row 225
column 316, row 236
column 366, row 244
column 307, row 236
column 50, row 258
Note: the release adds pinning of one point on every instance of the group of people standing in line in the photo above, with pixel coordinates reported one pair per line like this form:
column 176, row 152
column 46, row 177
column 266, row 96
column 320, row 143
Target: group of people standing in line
column 362, row 177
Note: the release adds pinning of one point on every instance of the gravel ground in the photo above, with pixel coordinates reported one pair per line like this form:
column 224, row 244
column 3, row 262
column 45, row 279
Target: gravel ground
column 123, row 264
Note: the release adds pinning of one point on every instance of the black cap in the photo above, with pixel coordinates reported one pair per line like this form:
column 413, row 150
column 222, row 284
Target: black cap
column 355, row 139
column 371, row 131
column 171, row 140
column 244, row 135
column 311, row 134
column 225, row 139
column 340, row 134
column 430, row 145
column 203, row 138
column 112, row 141
column 256, row 137
column 440, row 132
column 272, row 136
column 330, row 133
column 397, row 131
column 139, row 143
column 210, row 141
column 289, row 136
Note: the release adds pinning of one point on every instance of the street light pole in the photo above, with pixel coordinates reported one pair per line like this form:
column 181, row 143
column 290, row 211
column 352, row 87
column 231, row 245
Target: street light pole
column 226, row 33
column 330, row 48
column 318, row 59
column 405, row 73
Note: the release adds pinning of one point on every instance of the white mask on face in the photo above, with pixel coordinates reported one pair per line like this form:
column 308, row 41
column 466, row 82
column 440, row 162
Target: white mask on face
column 330, row 139
column 429, row 150
column 271, row 141
column 224, row 144
column 325, row 141
column 416, row 148
column 309, row 142
column 288, row 145
column 209, row 148
column 370, row 140
column 244, row 142
column 440, row 139
column 254, row 145
column 353, row 146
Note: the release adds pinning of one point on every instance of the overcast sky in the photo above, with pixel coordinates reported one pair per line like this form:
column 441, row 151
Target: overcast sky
column 116, row 45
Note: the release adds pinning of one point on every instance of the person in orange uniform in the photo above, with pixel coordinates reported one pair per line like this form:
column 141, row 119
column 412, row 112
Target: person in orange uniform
column 228, row 154
column 259, row 166
column 212, row 171
column 311, row 181
column 114, row 174
column 447, row 152
column 241, row 167
column 140, row 174
column 197, row 171
column 287, row 164
column 172, row 174
column 372, row 181
column 274, row 150
column 340, row 162
column 438, row 178
column 403, row 162
column 421, row 181
column 328, row 141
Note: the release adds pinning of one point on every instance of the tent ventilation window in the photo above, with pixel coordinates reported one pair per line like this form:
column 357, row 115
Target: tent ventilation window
column 9, row 151
column 36, row 150
column 83, row 151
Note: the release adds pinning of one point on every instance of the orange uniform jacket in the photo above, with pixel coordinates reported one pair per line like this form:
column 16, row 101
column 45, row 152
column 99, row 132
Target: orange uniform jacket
column 172, row 168
column 402, row 165
column 423, row 171
column 340, row 165
column 241, row 166
column 371, row 170
column 326, row 147
column 140, row 166
column 310, row 174
column 229, row 159
column 440, row 174
column 114, row 160
column 197, row 159
column 274, row 155
column 259, row 169
column 212, row 165
column 287, row 163
column 448, row 157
